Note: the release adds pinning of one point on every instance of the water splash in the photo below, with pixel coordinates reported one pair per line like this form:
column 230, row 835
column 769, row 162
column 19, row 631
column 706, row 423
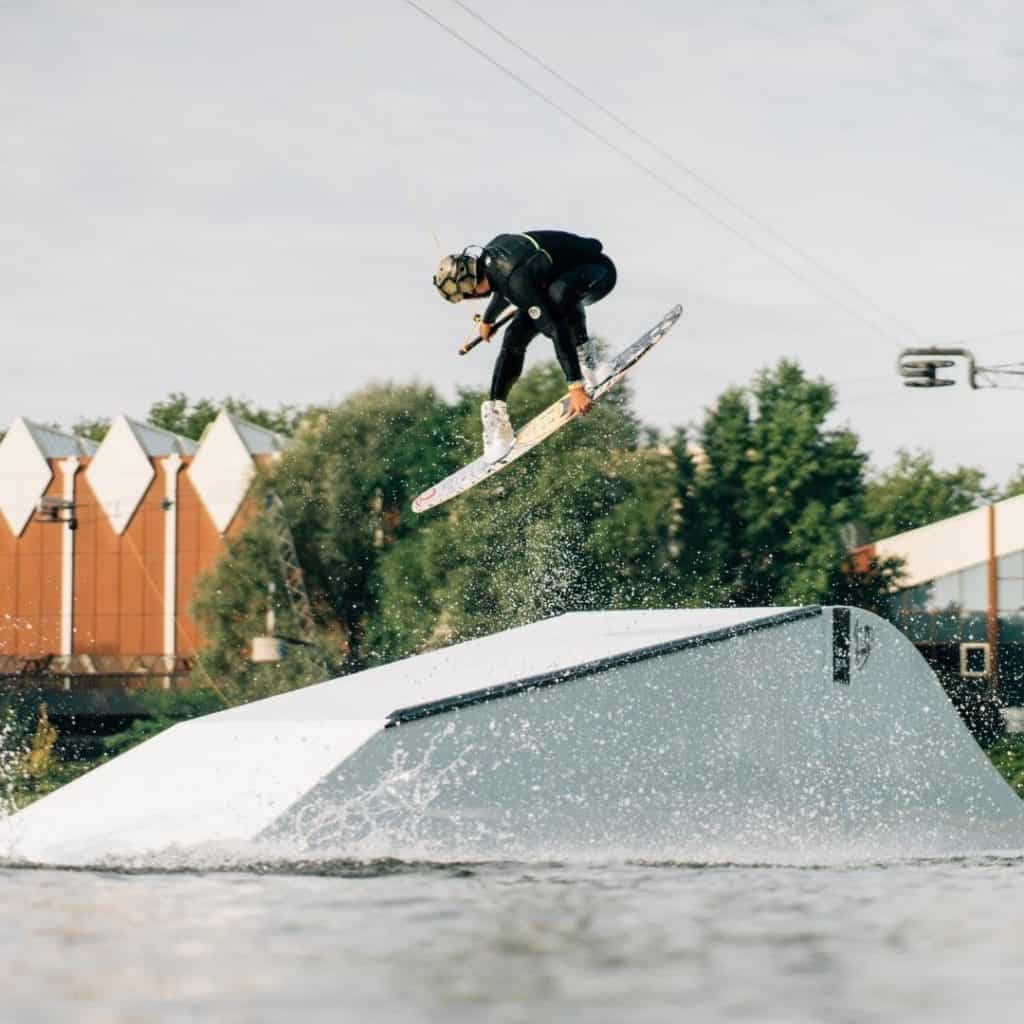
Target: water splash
column 395, row 812
column 11, row 755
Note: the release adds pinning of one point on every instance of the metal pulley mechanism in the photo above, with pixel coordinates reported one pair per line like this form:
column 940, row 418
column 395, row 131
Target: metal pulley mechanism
column 919, row 366
column 921, row 373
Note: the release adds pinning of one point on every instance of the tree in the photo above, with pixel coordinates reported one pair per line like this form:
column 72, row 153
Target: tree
column 93, row 429
column 762, row 514
column 231, row 604
column 181, row 415
column 1015, row 485
column 913, row 492
column 346, row 484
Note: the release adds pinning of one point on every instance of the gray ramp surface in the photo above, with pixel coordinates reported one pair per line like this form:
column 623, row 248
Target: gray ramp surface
column 731, row 734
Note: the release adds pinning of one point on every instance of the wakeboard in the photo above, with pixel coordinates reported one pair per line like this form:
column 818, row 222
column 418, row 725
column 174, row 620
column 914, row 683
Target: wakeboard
column 544, row 424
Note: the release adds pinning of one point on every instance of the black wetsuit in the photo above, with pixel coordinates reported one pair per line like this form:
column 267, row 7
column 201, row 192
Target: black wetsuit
column 550, row 276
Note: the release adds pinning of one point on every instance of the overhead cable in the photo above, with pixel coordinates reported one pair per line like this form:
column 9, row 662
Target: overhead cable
column 687, row 170
column 666, row 183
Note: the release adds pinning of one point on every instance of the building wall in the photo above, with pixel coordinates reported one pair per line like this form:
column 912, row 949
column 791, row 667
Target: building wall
column 199, row 547
column 124, row 603
column 118, row 580
column 30, row 577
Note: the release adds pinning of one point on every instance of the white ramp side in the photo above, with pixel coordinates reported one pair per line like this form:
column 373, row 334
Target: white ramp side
column 730, row 733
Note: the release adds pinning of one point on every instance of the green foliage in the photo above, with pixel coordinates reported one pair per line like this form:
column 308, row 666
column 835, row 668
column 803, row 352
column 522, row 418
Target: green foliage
column 182, row 415
column 870, row 587
column 763, row 515
column 1015, row 485
column 1007, row 755
column 94, row 429
column 29, row 764
column 17, row 721
column 231, row 602
column 15, row 736
column 346, row 484
column 913, row 493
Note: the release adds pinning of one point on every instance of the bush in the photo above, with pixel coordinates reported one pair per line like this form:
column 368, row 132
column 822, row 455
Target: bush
column 1007, row 755
column 29, row 765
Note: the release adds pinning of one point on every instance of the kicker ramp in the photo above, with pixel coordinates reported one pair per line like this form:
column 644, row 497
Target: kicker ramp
column 710, row 734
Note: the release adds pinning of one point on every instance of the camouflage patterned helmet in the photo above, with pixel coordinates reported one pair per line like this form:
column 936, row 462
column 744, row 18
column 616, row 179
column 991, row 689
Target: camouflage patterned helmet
column 457, row 277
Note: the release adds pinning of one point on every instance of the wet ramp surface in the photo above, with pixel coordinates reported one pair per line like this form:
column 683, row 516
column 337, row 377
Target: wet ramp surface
column 720, row 734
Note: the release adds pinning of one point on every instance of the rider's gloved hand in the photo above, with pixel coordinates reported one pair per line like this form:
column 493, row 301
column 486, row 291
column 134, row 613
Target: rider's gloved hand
column 579, row 401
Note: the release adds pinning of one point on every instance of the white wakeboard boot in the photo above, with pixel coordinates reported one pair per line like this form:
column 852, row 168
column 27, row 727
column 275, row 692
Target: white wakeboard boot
column 596, row 370
column 498, row 434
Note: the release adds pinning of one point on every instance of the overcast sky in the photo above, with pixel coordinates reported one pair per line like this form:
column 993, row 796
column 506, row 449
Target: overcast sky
column 250, row 199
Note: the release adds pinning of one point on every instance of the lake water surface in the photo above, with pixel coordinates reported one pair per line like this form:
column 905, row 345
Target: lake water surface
column 391, row 941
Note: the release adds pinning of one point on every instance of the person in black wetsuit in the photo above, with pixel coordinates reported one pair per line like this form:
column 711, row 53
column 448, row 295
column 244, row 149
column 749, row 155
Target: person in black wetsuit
column 551, row 276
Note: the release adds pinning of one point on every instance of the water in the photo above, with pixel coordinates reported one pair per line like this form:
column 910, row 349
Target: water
column 390, row 941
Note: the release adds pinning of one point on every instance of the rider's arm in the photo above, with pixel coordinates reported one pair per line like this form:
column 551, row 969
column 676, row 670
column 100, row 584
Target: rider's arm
column 565, row 350
column 495, row 308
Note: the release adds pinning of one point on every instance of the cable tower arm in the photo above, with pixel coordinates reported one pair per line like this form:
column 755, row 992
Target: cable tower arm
column 291, row 569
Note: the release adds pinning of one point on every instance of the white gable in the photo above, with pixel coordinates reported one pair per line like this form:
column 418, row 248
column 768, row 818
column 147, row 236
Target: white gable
column 223, row 469
column 24, row 475
column 120, row 474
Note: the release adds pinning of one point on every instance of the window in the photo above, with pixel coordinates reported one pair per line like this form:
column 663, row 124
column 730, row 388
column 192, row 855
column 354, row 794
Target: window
column 954, row 608
column 1011, row 595
column 945, row 591
column 974, row 660
column 915, row 599
column 1011, row 566
column 974, row 588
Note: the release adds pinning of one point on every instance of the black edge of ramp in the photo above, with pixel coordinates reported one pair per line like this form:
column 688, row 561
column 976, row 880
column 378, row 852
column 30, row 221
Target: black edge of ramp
column 841, row 646
column 590, row 668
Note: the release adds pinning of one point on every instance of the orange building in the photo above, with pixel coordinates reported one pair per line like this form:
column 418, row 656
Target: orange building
column 101, row 547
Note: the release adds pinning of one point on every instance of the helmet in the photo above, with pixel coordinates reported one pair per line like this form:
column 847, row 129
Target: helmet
column 458, row 276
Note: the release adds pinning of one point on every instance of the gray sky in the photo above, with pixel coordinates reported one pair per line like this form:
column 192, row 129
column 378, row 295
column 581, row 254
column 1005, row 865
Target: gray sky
column 239, row 198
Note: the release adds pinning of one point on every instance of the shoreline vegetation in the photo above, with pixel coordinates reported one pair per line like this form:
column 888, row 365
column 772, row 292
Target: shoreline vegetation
column 749, row 507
